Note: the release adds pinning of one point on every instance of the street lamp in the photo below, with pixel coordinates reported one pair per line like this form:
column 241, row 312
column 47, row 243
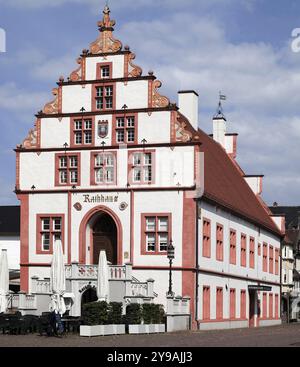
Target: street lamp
column 171, row 256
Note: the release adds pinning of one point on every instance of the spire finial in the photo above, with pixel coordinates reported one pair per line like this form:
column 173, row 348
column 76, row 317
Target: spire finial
column 220, row 113
column 106, row 42
column 106, row 23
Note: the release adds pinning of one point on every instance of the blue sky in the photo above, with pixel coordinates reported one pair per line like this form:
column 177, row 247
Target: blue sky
column 241, row 47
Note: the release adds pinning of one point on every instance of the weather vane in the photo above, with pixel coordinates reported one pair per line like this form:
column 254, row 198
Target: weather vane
column 220, row 113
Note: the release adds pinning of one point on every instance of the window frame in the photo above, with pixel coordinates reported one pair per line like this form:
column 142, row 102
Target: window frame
column 156, row 232
column 100, row 66
column 40, row 231
column 68, row 168
column 219, row 242
column 131, row 167
column 232, row 246
column 243, row 259
column 252, row 252
column 125, row 129
column 95, row 98
column 206, row 238
column 93, row 168
column 73, row 131
column 206, row 309
column 265, row 257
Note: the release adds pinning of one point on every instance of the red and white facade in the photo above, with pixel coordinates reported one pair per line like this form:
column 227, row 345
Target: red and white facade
column 113, row 164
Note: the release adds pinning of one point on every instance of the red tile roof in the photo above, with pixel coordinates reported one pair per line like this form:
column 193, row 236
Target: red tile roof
column 225, row 184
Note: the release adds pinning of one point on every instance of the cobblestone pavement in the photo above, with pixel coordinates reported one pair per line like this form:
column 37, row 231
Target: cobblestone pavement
column 277, row 336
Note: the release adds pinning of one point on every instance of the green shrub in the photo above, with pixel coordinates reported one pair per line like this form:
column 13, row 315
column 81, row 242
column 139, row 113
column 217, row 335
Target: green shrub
column 153, row 313
column 133, row 314
column 115, row 313
column 95, row 313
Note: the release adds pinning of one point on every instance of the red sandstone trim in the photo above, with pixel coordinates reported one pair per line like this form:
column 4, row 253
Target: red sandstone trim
column 189, row 251
column 99, row 66
column 132, row 226
column 39, row 250
column 24, row 239
column 115, row 128
column 104, row 110
column 73, row 145
column 57, row 169
column 156, row 232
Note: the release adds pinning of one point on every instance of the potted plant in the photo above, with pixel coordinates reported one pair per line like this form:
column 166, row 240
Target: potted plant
column 101, row 318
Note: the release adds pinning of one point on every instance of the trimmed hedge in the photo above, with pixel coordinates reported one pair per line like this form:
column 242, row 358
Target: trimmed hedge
column 115, row 313
column 95, row 313
column 133, row 314
column 102, row 313
column 153, row 313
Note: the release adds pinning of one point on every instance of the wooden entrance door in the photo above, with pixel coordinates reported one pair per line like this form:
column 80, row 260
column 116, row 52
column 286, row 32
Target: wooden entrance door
column 105, row 238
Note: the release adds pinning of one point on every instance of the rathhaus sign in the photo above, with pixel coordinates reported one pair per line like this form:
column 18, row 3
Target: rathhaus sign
column 100, row 198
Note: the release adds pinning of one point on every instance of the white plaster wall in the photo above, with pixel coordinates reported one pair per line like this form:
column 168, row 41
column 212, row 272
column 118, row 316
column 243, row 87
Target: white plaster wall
column 118, row 66
column 37, row 170
column 134, row 94
column 40, row 272
column 12, row 245
column 161, row 282
column 45, row 204
column 158, row 202
column 55, row 133
column 154, row 128
column 254, row 184
column 172, row 167
column 74, row 97
column 241, row 226
column 214, row 281
column 229, row 143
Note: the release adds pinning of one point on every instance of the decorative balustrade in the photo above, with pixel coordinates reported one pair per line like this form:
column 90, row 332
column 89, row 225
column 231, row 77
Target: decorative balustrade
column 178, row 305
column 78, row 271
column 22, row 301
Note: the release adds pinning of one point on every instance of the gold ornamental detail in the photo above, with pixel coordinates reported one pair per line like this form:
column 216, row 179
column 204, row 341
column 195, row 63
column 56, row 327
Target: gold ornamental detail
column 31, row 140
column 78, row 74
column 157, row 99
column 133, row 70
column 106, row 42
column 51, row 108
column 181, row 133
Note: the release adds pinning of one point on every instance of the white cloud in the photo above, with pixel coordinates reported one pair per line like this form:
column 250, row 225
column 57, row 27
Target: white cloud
column 190, row 51
column 19, row 100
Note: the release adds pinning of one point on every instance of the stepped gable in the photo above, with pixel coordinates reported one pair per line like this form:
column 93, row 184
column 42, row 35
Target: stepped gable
column 225, row 185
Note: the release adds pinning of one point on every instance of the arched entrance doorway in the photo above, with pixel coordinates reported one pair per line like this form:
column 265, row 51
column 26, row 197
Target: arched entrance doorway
column 100, row 228
column 105, row 238
column 90, row 295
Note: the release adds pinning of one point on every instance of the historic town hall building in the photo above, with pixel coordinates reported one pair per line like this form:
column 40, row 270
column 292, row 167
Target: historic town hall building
column 112, row 164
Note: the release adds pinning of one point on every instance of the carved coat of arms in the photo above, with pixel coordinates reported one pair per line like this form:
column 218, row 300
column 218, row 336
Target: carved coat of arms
column 102, row 129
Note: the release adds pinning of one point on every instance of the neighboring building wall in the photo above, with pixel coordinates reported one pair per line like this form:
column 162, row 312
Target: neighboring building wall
column 234, row 279
column 12, row 245
column 287, row 268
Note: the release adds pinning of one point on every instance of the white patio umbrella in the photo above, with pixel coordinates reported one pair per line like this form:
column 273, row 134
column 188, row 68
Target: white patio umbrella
column 103, row 287
column 4, row 281
column 58, row 279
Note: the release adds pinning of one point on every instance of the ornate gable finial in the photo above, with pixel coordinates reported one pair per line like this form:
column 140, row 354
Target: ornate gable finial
column 106, row 42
